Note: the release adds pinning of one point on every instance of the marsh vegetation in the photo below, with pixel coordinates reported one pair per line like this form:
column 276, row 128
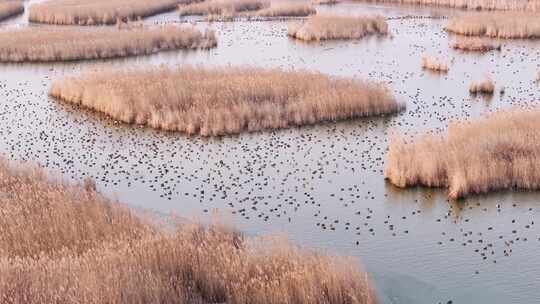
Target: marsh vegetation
column 506, row 25
column 499, row 151
column 10, row 8
column 64, row 44
column 82, row 12
column 61, row 242
column 434, row 64
column 487, row 5
column 226, row 10
column 475, row 44
column 485, row 86
column 286, row 9
column 221, row 7
column 325, row 2
column 218, row 101
column 328, row 27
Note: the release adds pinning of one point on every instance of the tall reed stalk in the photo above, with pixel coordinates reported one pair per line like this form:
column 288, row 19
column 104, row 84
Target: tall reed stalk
column 328, row 27
column 64, row 44
column 82, row 12
column 487, row 5
column 499, row 151
column 63, row 243
column 219, row 101
column 10, row 8
column 506, row 25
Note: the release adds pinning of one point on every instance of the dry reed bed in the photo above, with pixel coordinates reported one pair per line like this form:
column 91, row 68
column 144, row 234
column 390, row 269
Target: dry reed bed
column 64, row 44
column 506, row 25
column 10, row 8
column 224, row 10
column 488, row 5
column 219, row 101
column 221, row 7
column 500, row 151
column 65, row 243
column 475, row 44
column 286, row 9
column 327, row 27
column 434, row 64
column 324, row 2
column 485, row 86
column 81, row 12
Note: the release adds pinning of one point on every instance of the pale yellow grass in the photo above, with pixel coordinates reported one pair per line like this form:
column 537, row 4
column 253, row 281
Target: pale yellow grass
column 221, row 7
column 485, row 86
column 65, row 243
column 83, row 12
column 326, row 27
column 500, row 151
column 286, row 9
column 324, row 2
column 507, row 25
column 10, row 8
column 226, row 10
column 475, row 44
column 434, row 64
column 218, row 101
column 515, row 5
column 63, row 44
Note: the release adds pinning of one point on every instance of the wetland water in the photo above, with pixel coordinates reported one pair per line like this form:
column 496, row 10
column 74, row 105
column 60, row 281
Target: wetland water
column 321, row 185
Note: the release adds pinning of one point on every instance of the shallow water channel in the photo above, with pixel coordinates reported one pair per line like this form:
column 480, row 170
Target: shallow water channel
column 321, row 185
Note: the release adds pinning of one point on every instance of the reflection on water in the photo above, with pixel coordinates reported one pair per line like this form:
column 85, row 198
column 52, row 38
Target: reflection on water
column 322, row 185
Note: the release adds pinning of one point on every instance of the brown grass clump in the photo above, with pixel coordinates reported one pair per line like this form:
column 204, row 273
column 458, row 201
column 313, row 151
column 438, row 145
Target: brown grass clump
column 225, row 10
column 68, row 244
column 500, row 151
column 39, row 217
column 475, row 45
column 489, row 5
column 218, row 101
column 433, row 64
column 221, row 7
column 507, row 25
column 324, row 2
column 286, row 9
column 321, row 27
column 63, row 44
column 81, row 12
column 485, row 86
column 10, row 8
